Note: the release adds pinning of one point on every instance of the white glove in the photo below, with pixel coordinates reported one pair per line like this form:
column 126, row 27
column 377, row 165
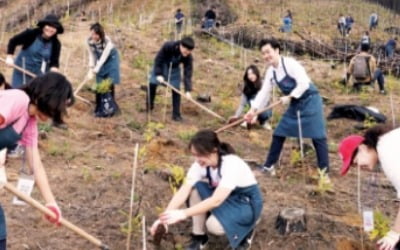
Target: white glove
column 3, row 176
column 173, row 216
column 155, row 225
column 285, row 99
column 90, row 74
column 160, row 79
column 188, row 95
column 9, row 60
column 389, row 241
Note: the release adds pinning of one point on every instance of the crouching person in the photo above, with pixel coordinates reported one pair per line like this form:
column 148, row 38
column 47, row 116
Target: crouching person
column 223, row 194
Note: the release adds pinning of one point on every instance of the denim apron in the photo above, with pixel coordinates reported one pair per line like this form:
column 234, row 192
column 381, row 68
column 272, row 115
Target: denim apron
column 31, row 59
column 310, row 107
column 8, row 138
column 110, row 68
column 175, row 77
column 239, row 213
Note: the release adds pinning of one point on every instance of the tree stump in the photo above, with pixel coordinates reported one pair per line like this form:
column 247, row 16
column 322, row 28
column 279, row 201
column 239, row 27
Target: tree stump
column 291, row 220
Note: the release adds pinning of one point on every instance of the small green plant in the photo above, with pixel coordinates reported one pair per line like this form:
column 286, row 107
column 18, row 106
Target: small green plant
column 369, row 122
column 186, row 135
column 152, row 129
column 134, row 125
column 177, row 176
column 44, row 127
column 381, row 225
column 136, row 223
column 104, row 86
column 295, row 157
column 86, row 174
column 324, row 183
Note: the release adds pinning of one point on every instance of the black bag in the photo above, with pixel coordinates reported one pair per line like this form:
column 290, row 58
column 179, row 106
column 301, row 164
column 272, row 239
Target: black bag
column 105, row 105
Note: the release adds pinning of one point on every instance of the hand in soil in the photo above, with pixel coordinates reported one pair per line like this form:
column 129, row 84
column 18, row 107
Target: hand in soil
column 158, row 230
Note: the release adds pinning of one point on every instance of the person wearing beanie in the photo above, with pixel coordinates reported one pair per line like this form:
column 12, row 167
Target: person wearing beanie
column 40, row 50
column 167, row 68
column 380, row 144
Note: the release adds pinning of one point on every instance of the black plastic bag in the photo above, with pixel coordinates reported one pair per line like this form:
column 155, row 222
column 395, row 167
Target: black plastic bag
column 105, row 105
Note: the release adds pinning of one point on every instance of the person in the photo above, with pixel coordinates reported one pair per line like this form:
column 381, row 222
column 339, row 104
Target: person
column 229, row 203
column 287, row 22
column 252, row 84
column 44, row 97
column 341, row 25
column 373, row 21
column 167, row 68
column 103, row 63
column 305, row 110
column 3, row 84
column 379, row 145
column 209, row 18
column 380, row 78
column 179, row 18
column 390, row 47
column 349, row 21
column 40, row 50
column 362, row 68
column 366, row 39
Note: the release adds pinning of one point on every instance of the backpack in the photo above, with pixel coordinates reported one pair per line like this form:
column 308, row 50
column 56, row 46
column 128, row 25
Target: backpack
column 361, row 70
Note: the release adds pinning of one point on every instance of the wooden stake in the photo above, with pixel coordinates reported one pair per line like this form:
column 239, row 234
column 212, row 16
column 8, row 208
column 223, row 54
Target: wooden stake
column 128, row 241
column 50, row 213
column 166, row 93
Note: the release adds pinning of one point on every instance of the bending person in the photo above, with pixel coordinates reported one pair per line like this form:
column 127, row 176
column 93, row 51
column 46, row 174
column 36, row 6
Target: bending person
column 231, row 196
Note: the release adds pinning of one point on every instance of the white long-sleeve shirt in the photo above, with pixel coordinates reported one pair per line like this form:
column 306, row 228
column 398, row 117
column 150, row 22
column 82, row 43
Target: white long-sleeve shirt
column 93, row 62
column 388, row 149
column 294, row 70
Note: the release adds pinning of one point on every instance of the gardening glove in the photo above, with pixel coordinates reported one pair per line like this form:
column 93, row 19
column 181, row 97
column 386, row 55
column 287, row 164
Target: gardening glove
column 160, row 79
column 389, row 241
column 155, row 225
column 56, row 210
column 249, row 116
column 285, row 100
column 3, row 176
column 9, row 60
column 188, row 95
column 173, row 216
column 90, row 74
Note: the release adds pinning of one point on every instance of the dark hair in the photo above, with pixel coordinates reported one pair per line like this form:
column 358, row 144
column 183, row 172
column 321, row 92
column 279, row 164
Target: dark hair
column 3, row 82
column 372, row 135
column 206, row 141
column 178, row 10
column 365, row 47
column 52, row 93
column 99, row 30
column 273, row 42
column 251, row 88
column 188, row 42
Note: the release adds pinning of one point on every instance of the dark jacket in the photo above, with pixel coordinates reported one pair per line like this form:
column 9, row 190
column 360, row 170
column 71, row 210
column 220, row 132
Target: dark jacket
column 210, row 14
column 26, row 39
column 164, row 57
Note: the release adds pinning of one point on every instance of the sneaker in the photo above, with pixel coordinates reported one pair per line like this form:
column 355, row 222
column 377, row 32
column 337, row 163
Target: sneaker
column 246, row 243
column 17, row 152
column 267, row 126
column 271, row 170
column 382, row 92
column 177, row 118
column 197, row 242
column 243, row 124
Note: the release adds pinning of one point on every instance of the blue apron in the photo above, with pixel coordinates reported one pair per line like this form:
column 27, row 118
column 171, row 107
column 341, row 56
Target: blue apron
column 310, row 107
column 34, row 56
column 174, row 78
column 110, row 68
column 239, row 213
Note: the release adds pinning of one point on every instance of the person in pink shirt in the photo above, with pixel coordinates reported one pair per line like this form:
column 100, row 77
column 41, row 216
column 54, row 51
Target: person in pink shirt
column 45, row 97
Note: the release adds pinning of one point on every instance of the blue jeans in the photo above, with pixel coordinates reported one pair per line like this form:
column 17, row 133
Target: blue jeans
column 264, row 116
column 389, row 51
column 320, row 145
column 378, row 76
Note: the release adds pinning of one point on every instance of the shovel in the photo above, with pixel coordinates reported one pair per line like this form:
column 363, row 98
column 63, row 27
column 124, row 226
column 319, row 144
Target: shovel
column 48, row 212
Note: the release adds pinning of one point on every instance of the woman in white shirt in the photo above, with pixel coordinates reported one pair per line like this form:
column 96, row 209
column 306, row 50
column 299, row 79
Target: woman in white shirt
column 230, row 195
column 305, row 112
column 381, row 145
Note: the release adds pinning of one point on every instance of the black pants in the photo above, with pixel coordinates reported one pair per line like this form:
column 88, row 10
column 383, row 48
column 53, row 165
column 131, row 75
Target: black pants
column 176, row 101
column 357, row 85
column 320, row 145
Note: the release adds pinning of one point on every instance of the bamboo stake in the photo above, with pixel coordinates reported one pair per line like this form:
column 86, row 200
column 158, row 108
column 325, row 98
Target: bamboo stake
column 194, row 102
column 128, row 241
column 166, row 93
column 242, row 119
column 144, row 232
column 50, row 213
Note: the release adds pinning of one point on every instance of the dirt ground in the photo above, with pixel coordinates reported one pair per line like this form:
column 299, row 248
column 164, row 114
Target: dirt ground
column 90, row 164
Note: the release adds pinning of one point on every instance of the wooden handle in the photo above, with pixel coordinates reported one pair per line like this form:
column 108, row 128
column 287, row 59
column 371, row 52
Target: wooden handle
column 48, row 212
column 20, row 69
column 242, row 119
column 194, row 102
